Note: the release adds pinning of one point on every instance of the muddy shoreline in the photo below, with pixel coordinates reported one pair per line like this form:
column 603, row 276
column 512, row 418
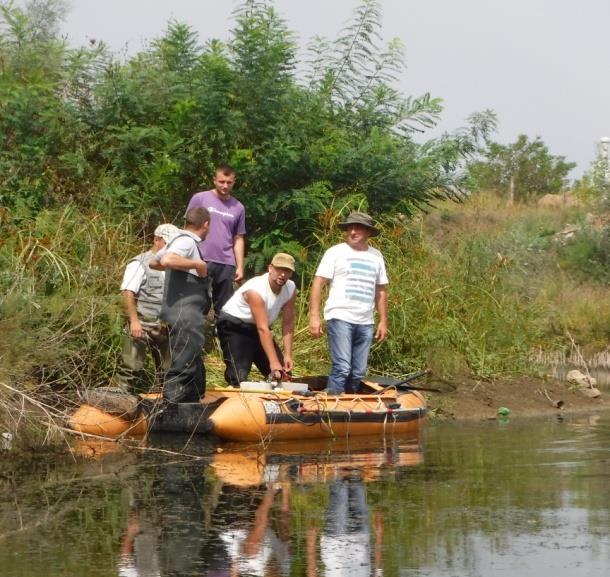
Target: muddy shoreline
column 524, row 397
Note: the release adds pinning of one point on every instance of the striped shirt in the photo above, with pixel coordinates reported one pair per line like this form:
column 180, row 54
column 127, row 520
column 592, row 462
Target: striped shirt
column 354, row 276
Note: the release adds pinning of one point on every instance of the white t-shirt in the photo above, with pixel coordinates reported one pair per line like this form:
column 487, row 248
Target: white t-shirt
column 354, row 276
column 183, row 244
column 237, row 307
column 346, row 555
column 247, row 564
column 133, row 277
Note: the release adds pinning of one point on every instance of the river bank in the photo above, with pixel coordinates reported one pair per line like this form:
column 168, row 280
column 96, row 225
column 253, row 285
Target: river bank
column 524, row 397
column 472, row 400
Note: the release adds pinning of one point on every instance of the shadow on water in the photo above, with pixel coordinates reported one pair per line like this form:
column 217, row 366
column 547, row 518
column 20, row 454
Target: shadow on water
column 468, row 499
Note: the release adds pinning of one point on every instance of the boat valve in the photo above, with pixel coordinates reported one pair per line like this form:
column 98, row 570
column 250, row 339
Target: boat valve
column 294, row 405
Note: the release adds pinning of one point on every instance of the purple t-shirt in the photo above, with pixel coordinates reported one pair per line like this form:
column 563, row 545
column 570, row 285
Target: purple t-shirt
column 227, row 220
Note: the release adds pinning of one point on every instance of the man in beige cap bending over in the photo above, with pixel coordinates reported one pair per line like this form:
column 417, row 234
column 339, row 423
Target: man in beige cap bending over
column 142, row 291
column 245, row 320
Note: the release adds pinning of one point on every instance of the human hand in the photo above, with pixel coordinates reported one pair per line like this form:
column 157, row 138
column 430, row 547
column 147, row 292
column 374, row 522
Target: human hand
column 135, row 329
column 239, row 274
column 315, row 327
column 381, row 333
column 202, row 268
column 288, row 364
column 276, row 373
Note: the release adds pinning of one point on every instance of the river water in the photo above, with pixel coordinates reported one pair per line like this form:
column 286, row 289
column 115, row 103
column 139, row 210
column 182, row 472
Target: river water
column 497, row 498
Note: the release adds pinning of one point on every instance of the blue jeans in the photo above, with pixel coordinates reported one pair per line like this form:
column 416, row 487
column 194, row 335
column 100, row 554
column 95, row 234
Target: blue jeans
column 349, row 346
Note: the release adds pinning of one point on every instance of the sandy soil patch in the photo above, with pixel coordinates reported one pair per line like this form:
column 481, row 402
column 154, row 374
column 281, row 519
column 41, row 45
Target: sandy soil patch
column 524, row 397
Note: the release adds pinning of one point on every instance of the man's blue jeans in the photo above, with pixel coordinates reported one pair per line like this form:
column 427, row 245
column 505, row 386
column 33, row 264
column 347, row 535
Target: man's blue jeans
column 349, row 346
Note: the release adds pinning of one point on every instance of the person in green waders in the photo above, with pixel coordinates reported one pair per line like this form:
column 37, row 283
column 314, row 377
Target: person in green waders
column 184, row 302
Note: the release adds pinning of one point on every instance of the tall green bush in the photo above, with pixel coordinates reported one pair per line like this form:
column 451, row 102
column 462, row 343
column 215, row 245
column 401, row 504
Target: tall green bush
column 140, row 136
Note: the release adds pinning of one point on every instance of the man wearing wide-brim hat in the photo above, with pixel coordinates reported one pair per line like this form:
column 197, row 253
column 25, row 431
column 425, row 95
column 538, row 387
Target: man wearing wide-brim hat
column 358, row 285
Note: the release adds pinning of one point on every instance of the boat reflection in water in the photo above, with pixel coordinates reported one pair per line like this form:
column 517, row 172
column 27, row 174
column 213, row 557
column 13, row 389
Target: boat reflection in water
column 292, row 507
column 491, row 498
column 332, row 478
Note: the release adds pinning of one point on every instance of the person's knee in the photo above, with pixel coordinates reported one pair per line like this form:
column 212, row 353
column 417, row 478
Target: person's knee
column 341, row 368
column 133, row 358
column 235, row 374
column 232, row 377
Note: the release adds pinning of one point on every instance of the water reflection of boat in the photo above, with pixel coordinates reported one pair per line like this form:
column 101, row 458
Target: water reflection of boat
column 259, row 415
column 316, row 461
column 275, row 511
column 343, row 532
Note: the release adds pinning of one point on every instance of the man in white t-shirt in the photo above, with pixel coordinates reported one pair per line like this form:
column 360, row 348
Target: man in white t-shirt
column 245, row 320
column 184, row 301
column 142, row 292
column 358, row 285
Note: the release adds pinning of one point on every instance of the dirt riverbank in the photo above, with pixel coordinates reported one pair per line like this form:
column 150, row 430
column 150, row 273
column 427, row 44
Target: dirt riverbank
column 526, row 397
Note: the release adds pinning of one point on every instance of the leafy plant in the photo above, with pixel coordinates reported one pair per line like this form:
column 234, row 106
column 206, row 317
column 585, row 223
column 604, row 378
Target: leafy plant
column 522, row 171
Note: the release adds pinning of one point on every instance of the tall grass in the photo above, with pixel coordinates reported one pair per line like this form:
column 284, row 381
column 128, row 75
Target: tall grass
column 59, row 312
column 452, row 306
column 474, row 289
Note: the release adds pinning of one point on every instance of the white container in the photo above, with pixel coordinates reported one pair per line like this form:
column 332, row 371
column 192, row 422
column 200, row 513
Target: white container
column 255, row 386
column 295, row 387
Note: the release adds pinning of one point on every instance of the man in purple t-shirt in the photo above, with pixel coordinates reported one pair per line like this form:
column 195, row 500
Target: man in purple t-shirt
column 224, row 247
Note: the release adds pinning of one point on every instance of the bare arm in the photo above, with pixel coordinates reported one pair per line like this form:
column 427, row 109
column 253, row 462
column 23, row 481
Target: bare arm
column 135, row 326
column 252, row 543
column 174, row 261
column 155, row 264
column 315, row 327
column 239, row 250
column 381, row 303
column 288, row 332
column 259, row 313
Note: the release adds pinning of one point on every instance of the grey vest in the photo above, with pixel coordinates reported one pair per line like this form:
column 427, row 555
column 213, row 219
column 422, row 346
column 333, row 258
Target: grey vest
column 150, row 295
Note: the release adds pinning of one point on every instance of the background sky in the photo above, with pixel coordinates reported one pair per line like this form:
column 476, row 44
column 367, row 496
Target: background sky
column 542, row 65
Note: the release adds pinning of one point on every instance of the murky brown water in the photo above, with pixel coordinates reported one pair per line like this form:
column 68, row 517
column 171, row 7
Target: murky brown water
column 527, row 498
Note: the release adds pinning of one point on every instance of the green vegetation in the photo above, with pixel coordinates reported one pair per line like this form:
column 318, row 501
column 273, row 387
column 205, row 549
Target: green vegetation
column 139, row 137
column 95, row 151
column 522, row 171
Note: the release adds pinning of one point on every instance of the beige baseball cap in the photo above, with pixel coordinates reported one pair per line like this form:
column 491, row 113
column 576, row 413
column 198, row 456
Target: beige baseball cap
column 283, row 260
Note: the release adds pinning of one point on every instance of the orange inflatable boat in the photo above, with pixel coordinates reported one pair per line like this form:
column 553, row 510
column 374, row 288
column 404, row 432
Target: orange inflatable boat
column 278, row 417
column 105, row 421
column 258, row 412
